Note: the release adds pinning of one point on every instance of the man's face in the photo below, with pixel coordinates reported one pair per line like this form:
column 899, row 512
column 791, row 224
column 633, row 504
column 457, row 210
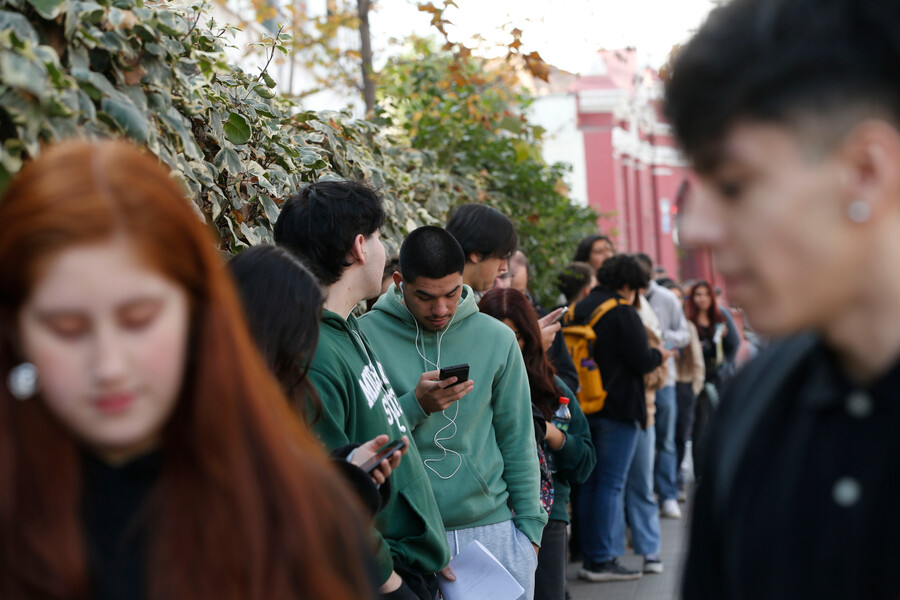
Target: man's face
column 481, row 272
column 775, row 218
column 432, row 302
column 375, row 259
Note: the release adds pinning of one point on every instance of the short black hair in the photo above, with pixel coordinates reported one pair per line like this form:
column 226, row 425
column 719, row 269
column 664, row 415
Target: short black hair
column 622, row 270
column 573, row 278
column 483, row 230
column 282, row 302
column 785, row 62
column 583, row 252
column 645, row 260
column 430, row 252
column 319, row 224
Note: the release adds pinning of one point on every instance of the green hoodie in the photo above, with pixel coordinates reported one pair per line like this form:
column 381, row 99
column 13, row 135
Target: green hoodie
column 491, row 455
column 358, row 404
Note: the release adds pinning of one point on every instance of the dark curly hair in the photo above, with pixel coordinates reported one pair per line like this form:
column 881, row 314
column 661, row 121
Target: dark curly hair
column 623, row 270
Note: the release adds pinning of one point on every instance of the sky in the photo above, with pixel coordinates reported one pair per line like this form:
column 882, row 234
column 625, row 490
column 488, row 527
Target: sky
column 566, row 33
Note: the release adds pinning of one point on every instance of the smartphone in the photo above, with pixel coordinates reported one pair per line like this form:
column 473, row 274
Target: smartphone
column 384, row 452
column 461, row 372
column 559, row 317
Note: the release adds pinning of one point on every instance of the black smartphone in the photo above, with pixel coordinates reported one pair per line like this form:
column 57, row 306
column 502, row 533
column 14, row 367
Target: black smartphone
column 384, row 452
column 461, row 372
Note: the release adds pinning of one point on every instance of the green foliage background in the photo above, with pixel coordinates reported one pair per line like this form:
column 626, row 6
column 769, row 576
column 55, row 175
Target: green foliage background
column 158, row 75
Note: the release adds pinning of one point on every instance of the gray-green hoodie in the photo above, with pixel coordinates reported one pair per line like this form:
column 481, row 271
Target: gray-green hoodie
column 490, row 452
column 358, row 404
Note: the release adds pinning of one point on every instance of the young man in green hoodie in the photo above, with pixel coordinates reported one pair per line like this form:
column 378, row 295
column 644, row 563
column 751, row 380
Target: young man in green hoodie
column 334, row 227
column 479, row 451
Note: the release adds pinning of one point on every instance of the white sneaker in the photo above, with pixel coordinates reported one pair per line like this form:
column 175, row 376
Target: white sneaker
column 670, row 509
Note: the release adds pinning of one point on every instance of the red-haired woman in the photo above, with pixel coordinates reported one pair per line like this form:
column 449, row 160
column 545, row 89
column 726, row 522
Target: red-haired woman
column 145, row 449
column 720, row 343
column 572, row 451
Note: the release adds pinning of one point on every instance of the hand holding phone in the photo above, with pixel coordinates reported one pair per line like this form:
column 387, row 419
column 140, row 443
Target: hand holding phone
column 435, row 393
column 382, row 453
column 461, row 372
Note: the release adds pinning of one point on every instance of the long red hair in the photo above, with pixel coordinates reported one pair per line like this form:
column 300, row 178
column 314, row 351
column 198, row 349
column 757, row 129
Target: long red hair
column 513, row 305
column 247, row 506
column 692, row 312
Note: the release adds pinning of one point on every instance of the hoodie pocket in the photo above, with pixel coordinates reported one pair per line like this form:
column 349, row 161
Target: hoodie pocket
column 416, row 530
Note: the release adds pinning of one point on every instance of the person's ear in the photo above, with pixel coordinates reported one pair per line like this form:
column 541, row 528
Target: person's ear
column 474, row 258
column 358, row 250
column 870, row 178
column 398, row 281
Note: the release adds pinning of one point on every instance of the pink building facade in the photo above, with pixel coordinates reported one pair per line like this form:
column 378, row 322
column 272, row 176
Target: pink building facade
column 636, row 178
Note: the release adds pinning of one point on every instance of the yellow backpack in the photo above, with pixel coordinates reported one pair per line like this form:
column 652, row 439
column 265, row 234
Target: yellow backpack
column 580, row 342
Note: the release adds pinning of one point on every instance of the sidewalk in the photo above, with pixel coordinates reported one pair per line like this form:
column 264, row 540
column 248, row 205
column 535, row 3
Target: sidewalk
column 673, row 536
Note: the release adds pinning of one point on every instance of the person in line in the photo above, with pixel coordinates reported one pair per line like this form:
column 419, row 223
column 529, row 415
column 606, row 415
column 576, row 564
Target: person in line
column 623, row 356
column 719, row 343
column 147, row 452
column 283, row 303
column 639, row 503
column 675, row 336
column 333, row 227
column 572, row 452
column 575, row 281
column 689, row 380
column 479, row 451
column 488, row 239
column 594, row 250
column 789, row 112
column 557, row 352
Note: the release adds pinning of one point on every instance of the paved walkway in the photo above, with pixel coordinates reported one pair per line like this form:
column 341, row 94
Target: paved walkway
column 673, row 535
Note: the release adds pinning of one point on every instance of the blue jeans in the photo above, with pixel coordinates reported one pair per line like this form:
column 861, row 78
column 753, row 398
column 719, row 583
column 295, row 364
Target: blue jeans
column 640, row 506
column 601, row 495
column 666, row 470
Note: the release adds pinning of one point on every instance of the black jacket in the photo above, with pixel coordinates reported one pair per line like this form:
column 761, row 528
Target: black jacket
column 623, row 355
column 799, row 492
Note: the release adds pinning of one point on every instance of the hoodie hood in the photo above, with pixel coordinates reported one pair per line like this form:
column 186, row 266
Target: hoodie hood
column 391, row 303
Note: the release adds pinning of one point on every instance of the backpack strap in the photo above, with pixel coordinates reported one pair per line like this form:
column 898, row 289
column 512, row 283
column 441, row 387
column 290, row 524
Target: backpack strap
column 603, row 309
column 569, row 317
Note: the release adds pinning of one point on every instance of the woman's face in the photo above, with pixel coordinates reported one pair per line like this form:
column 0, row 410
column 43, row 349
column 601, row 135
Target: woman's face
column 600, row 251
column 508, row 322
column 108, row 335
column 702, row 299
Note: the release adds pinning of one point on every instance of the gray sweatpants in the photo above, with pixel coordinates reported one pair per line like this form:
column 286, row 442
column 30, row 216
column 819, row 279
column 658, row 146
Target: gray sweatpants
column 511, row 547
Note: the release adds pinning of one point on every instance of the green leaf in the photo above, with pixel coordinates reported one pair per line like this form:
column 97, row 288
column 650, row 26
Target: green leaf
column 270, row 208
column 20, row 72
column 49, row 9
column 19, row 25
column 237, row 129
column 263, row 91
column 126, row 114
column 268, row 79
column 228, row 160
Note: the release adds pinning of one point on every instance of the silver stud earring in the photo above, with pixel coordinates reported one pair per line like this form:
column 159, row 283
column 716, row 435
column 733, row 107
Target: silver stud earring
column 23, row 381
column 859, row 211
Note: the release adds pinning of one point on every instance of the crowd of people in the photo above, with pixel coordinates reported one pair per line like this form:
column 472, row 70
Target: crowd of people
column 312, row 420
column 185, row 399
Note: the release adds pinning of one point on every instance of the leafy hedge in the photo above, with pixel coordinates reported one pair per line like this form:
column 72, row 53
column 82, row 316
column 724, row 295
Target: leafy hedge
column 157, row 73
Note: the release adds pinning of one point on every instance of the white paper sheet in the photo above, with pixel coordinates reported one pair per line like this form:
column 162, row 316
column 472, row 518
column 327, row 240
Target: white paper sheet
column 479, row 576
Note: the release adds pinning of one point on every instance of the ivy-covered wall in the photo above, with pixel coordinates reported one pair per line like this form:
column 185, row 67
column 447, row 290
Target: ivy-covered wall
column 157, row 74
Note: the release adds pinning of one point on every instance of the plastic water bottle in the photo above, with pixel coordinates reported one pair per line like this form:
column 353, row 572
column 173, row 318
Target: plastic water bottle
column 562, row 417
